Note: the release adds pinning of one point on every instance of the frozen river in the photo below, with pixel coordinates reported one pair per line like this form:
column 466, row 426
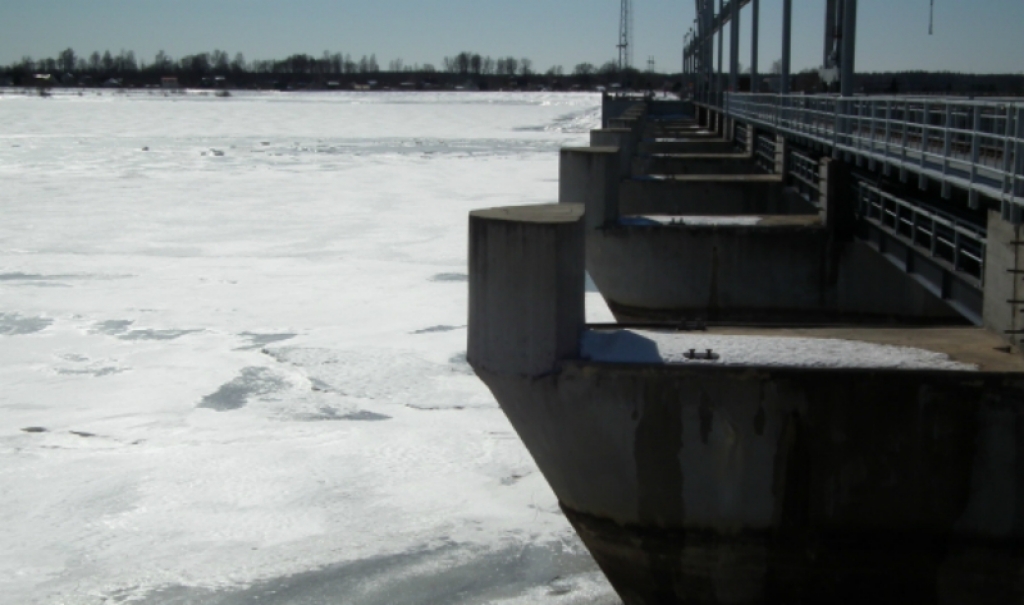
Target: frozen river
column 232, row 351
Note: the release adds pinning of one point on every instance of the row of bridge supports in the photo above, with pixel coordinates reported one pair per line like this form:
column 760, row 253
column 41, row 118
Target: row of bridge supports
column 780, row 415
column 761, row 251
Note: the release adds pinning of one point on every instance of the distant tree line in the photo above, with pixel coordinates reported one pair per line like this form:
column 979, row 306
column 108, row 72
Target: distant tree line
column 219, row 68
column 217, row 62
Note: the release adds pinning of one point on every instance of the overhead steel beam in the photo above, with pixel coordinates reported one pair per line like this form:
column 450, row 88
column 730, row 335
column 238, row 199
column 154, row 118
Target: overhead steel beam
column 849, row 50
column 734, row 47
column 755, row 22
column 787, row 44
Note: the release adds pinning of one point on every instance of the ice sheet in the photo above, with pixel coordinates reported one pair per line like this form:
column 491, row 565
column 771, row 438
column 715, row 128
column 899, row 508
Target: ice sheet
column 235, row 331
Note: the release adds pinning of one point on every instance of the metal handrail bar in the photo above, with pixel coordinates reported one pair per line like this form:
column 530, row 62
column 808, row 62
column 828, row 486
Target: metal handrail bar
column 804, row 169
column 948, row 238
column 974, row 144
column 937, row 216
column 764, row 148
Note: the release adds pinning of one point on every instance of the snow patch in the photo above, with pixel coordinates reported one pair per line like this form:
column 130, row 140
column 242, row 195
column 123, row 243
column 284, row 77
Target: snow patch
column 650, row 220
column 650, row 347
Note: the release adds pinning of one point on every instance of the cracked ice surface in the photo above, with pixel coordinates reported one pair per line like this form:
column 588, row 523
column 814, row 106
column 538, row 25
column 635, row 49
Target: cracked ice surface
column 233, row 356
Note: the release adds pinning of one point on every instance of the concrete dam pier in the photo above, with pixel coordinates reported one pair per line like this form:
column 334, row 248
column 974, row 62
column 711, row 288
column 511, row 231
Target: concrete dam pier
column 805, row 402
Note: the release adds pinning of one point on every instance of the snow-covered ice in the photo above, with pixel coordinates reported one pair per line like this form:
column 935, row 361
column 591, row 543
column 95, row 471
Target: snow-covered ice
column 232, row 350
column 647, row 346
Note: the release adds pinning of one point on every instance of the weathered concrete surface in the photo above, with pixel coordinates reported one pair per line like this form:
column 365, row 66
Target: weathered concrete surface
column 707, row 484
column 687, row 132
column 526, row 283
column 614, row 107
column 784, row 269
column 589, row 176
column 1004, row 278
column 621, row 138
column 687, row 145
column 711, row 195
column 744, row 485
column 694, row 163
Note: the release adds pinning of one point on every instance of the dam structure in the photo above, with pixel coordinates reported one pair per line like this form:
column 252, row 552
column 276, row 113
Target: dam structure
column 814, row 393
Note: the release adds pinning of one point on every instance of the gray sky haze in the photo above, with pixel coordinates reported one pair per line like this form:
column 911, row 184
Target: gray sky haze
column 970, row 35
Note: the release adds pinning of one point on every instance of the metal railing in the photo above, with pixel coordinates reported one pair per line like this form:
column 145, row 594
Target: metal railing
column 941, row 235
column 764, row 152
column 970, row 144
column 805, row 173
column 741, row 134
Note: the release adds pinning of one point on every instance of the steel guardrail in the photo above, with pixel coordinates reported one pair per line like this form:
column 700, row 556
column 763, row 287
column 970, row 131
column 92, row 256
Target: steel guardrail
column 975, row 145
column 938, row 234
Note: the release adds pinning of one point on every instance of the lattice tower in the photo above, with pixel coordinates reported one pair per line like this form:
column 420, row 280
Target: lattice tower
column 625, row 44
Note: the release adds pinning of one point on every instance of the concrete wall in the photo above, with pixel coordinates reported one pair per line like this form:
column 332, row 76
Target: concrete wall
column 526, row 287
column 612, row 107
column 711, row 196
column 589, row 176
column 780, row 270
column 1004, row 278
column 749, row 486
column 695, row 145
column 623, row 139
column 732, row 163
column 665, row 108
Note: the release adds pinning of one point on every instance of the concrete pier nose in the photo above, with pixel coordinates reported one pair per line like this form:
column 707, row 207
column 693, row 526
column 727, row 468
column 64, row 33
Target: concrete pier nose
column 526, row 287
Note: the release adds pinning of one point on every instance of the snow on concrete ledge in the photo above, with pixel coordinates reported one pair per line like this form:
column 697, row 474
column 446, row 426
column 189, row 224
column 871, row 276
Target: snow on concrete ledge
column 645, row 346
column 667, row 219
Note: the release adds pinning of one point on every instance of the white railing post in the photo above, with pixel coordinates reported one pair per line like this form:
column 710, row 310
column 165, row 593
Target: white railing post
column 836, row 127
column 886, row 168
column 906, row 140
column 926, row 133
column 947, row 145
column 972, row 194
column 1007, row 151
column 1018, row 154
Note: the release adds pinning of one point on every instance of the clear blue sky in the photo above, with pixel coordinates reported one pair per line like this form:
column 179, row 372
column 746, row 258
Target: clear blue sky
column 970, row 35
